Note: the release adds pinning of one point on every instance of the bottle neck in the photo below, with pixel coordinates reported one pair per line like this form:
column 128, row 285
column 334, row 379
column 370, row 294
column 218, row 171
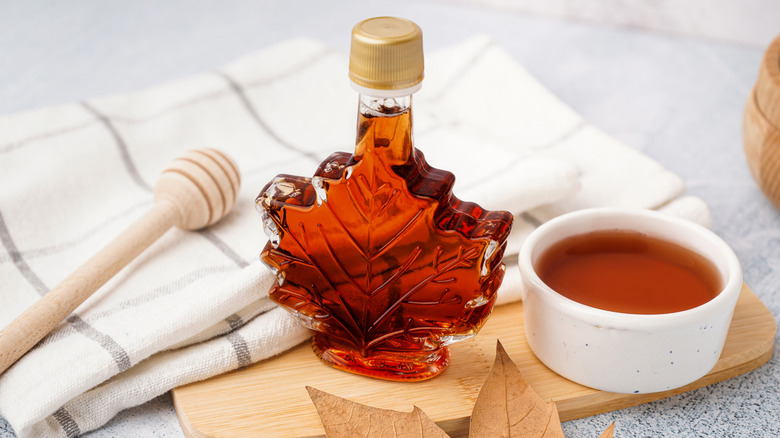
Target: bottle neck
column 385, row 128
column 384, row 106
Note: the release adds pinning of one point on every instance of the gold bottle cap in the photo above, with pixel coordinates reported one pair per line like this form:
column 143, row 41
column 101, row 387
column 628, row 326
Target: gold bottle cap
column 386, row 54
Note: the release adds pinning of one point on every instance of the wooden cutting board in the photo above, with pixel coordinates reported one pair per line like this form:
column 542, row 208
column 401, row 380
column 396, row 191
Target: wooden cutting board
column 269, row 398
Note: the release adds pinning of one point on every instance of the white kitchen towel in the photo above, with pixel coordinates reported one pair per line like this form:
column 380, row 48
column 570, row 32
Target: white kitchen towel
column 195, row 304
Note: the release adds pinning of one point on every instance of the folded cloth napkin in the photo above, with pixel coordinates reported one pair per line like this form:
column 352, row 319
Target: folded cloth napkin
column 195, row 304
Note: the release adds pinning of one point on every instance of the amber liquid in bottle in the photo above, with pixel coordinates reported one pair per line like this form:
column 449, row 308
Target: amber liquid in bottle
column 378, row 256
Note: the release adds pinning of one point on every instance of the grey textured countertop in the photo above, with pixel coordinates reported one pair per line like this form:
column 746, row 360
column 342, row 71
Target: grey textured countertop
column 678, row 99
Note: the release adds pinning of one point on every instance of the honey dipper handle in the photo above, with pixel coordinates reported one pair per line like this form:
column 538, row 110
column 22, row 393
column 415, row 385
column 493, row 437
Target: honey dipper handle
column 43, row 316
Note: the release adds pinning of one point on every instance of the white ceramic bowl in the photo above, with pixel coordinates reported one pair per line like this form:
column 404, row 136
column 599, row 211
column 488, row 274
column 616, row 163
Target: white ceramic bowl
column 622, row 352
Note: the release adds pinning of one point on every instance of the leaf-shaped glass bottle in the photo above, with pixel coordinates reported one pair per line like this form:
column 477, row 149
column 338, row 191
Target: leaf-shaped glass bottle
column 374, row 252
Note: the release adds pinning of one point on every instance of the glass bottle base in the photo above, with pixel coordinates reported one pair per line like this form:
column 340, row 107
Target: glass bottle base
column 404, row 366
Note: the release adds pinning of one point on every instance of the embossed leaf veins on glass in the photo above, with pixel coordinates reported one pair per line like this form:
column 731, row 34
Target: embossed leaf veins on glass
column 377, row 255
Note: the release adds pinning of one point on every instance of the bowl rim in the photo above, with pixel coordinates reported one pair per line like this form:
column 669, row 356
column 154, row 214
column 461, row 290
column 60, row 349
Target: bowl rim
column 726, row 298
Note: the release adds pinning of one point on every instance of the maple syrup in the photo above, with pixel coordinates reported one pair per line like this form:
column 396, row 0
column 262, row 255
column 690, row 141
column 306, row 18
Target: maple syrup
column 375, row 253
column 628, row 272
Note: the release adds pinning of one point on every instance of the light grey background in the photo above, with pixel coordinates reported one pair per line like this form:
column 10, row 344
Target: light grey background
column 677, row 98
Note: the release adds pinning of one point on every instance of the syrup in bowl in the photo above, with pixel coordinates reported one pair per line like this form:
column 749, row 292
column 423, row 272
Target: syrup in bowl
column 628, row 272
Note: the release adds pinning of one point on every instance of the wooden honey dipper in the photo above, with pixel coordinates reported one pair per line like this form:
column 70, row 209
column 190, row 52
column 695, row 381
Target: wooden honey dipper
column 196, row 190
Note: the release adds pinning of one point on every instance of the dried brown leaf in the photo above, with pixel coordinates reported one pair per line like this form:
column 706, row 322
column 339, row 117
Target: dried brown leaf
column 608, row 432
column 344, row 418
column 507, row 406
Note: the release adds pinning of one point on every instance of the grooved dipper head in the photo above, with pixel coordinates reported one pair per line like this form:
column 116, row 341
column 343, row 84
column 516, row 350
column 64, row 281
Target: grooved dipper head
column 202, row 184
